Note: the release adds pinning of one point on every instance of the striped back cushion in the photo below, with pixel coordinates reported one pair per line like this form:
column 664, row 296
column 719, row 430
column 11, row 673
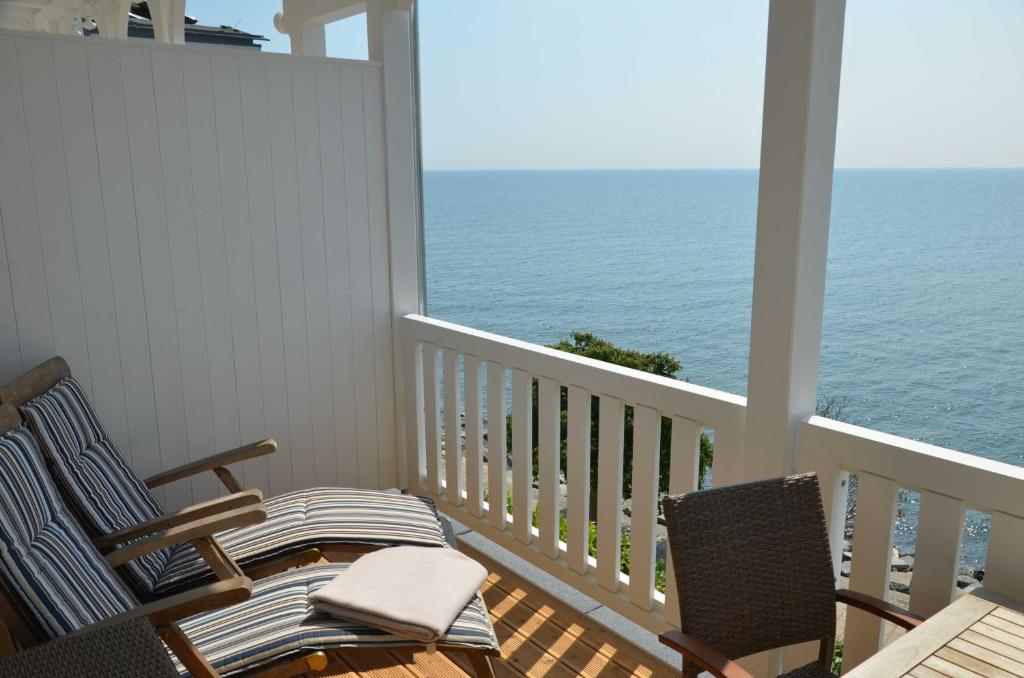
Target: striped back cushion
column 44, row 554
column 106, row 493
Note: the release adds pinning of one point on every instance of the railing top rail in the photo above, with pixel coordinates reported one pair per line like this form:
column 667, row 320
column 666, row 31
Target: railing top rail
column 982, row 483
column 715, row 409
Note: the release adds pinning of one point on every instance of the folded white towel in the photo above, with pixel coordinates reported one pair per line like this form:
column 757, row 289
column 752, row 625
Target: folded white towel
column 411, row 591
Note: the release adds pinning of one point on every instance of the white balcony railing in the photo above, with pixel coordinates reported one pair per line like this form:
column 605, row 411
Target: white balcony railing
column 450, row 361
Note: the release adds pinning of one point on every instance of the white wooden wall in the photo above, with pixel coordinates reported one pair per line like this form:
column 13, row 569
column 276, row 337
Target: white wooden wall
column 202, row 234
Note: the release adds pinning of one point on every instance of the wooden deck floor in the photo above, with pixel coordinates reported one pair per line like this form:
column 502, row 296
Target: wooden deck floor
column 539, row 637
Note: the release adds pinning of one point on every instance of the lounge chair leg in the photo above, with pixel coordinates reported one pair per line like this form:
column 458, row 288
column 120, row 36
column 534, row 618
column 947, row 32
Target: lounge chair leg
column 481, row 664
column 314, row 662
column 184, row 649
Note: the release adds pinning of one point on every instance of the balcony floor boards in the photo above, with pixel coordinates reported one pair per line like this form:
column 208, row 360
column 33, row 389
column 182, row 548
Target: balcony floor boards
column 540, row 636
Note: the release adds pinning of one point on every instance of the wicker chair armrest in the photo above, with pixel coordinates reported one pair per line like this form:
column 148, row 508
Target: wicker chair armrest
column 880, row 608
column 203, row 509
column 703, row 655
column 191, row 531
column 213, row 462
column 181, row 605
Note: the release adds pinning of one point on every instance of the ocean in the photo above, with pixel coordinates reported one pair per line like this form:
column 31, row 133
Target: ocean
column 923, row 331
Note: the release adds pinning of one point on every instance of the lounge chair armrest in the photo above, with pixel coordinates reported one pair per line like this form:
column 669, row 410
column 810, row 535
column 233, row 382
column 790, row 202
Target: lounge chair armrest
column 880, row 608
column 192, row 531
column 703, row 655
column 181, row 605
column 213, row 463
column 188, row 514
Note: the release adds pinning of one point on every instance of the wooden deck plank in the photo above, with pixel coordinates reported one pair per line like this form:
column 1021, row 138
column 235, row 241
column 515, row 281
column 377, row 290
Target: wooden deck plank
column 539, row 636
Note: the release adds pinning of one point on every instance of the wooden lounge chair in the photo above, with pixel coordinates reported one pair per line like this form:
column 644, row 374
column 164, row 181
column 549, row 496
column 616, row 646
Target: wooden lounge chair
column 114, row 504
column 753, row 572
column 56, row 583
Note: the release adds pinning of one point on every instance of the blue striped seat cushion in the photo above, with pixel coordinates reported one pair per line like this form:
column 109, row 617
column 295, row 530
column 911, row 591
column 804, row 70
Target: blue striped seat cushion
column 106, row 493
column 44, row 555
column 278, row 621
column 109, row 496
column 314, row 517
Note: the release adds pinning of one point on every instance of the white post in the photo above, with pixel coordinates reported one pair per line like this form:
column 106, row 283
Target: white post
column 801, row 99
column 395, row 47
column 168, row 21
column 112, row 19
column 304, row 27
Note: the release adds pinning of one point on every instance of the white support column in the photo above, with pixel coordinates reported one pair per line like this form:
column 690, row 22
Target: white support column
column 112, row 19
column 801, row 97
column 168, row 21
column 304, row 29
column 396, row 43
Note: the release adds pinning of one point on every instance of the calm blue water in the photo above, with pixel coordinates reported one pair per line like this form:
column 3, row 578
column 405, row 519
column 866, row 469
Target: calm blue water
column 924, row 311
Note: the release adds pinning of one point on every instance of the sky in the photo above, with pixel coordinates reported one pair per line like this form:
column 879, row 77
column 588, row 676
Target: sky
column 602, row 84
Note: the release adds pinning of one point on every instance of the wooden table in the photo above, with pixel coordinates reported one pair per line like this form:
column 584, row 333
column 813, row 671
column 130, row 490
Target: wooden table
column 982, row 634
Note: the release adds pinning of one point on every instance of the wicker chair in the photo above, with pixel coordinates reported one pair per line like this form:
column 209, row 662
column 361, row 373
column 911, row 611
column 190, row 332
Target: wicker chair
column 753, row 572
column 129, row 648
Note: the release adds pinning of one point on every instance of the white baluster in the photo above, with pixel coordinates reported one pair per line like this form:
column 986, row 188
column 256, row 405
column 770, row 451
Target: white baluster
column 522, row 455
column 609, row 490
column 1004, row 568
column 549, row 462
column 432, row 417
column 452, row 427
column 474, row 436
column 497, row 483
column 940, row 527
column 683, row 470
column 644, row 519
column 578, row 480
column 872, row 559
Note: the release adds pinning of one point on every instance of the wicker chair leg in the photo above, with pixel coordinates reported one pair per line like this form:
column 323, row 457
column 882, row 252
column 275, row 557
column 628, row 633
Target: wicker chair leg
column 481, row 664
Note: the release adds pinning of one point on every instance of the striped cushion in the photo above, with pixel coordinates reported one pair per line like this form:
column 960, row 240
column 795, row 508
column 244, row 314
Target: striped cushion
column 106, row 492
column 278, row 621
column 320, row 516
column 44, row 554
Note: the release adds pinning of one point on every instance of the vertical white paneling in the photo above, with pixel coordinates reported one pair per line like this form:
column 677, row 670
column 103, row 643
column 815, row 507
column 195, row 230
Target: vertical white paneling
column 452, row 428
column 474, row 443
column 383, row 349
column 314, row 268
column 1005, row 555
column 432, row 410
column 522, row 455
column 203, row 235
column 289, row 252
column 578, row 479
column 188, row 293
column 644, row 518
column 122, row 236
column 147, row 181
column 10, row 351
column 609, row 490
column 263, row 226
column 497, row 481
column 49, row 174
column 683, row 470
column 937, row 555
column 332, row 163
column 549, row 463
column 227, row 99
column 202, row 135
column 872, row 557
column 87, row 215
column 20, row 221
column 360, row 272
